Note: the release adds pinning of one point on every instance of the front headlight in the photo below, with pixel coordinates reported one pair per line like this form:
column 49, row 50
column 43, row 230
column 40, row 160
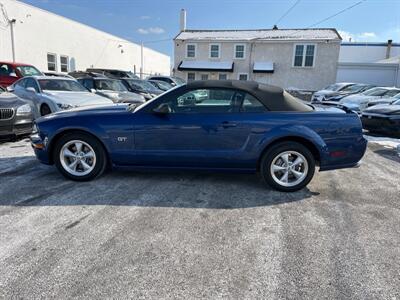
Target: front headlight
column 64, row 106
column 24, row 109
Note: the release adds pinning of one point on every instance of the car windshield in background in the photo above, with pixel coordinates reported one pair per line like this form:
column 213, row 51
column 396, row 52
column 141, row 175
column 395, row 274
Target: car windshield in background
column 61, row 85
column 163, row 84
column 375, row 92
column 353, row 88
column 29, row 71
column 391, row 93
column 110, row 85
column 141, row 85
column 180, row 81
column 334, row 87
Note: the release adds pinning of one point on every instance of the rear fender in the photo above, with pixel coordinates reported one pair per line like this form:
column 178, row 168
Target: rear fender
column 295, row 131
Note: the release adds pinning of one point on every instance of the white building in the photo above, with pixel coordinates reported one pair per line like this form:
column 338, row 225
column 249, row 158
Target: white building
column 54, row 43
column 290, row 58
column 374, row 63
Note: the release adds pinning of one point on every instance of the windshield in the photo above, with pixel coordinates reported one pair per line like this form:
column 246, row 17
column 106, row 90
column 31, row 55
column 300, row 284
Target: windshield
column 29, row 71
column 162, row 84
column 110, row 85
column 354, row 88
column 180, row 81
column 391, row 93
column 61, row 85
column 141, row 85
column 334, row 87
column 375, row 92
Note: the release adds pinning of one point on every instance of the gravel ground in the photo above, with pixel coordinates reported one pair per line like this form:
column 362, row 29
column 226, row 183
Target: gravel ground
column 189, row 235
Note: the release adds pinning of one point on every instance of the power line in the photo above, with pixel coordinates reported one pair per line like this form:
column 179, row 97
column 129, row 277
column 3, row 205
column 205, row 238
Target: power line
column 336, row 14
column 287, row 12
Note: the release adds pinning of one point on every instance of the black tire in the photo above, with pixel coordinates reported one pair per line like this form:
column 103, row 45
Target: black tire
column 273, row 152
column 100, row 156
column 45, row 110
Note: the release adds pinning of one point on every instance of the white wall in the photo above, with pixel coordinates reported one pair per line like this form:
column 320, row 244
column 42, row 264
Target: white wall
column 380, row 74
column 366, row 52
column 38, row 32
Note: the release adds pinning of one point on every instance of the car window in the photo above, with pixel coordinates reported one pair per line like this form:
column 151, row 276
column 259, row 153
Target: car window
column 334, row 87
column 61, row 85
column 375, row 92
column 251, row 104
column 6, row 70
column 20, row 83
column 87, row 83
column 391, row 93
column 29, row 71
column 30, row 82
column 208, row 101
column 110, row 85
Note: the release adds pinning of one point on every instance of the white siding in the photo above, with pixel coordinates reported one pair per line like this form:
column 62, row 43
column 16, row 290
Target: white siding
column 38, row 32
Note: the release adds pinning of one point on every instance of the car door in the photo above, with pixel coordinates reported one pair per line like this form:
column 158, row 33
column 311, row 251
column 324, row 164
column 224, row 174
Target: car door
column 203, row 129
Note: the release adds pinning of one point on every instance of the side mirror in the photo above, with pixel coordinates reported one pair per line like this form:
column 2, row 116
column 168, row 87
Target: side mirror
column 93, row 91
column 10, row 89
column 163, row 109
column 12, row 74
column 31, row 89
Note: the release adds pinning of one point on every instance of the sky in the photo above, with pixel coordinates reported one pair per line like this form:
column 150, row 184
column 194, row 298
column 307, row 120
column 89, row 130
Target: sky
column 156, row 22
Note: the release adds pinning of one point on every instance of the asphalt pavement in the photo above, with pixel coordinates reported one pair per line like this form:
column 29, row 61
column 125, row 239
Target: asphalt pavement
column 198, row 235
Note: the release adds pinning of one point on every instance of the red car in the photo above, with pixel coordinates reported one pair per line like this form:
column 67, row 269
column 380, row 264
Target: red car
column 11, row 72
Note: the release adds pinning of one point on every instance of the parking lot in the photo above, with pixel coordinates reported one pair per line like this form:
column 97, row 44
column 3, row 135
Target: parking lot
column 187, row 235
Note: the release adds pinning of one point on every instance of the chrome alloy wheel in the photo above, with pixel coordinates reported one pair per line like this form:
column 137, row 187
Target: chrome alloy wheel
column 77, row 158
column 289, row 168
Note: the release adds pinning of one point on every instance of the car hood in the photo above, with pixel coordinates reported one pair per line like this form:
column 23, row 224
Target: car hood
column 76, row 98
column 385, row 109
column 122, row 96
column 8, row 100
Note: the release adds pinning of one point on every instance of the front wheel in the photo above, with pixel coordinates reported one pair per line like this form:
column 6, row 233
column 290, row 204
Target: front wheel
column 287, row 166
column 80, row 157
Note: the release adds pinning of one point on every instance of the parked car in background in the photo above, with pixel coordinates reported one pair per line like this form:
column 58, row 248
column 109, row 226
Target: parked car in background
column 55, row 74
column 330, row 90
column 112, row 89
column 11, row 72
column 142, row 87
column 162, row 85
column 382, row 118
column 48, row 94
column 113, row 73
column 358, row 102
column 349, row 90
column 2, row 90
column 384, row 100
column 16, row 117
column 242, row 126
column 174, row 81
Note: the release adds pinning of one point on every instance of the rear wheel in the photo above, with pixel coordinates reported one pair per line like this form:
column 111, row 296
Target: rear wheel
column 288, row 166
column 80, row 157
column 45, row 110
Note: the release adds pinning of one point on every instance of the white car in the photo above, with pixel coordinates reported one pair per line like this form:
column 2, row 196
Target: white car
column 320, row 96
column 48, row 94
column 358, row 102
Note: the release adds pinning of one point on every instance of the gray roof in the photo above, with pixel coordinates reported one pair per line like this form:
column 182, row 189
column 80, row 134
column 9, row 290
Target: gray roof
column 260, row 34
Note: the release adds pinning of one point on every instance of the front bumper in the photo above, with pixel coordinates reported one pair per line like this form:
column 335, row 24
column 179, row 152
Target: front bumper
column 381, row 123
column 16, row 127
column 39, row 145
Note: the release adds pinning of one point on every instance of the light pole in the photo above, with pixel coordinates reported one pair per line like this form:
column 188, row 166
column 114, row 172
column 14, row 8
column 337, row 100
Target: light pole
column 141, row 61
column 12, row 22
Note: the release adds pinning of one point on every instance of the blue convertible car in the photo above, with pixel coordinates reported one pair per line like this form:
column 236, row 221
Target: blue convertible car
column 205, row 125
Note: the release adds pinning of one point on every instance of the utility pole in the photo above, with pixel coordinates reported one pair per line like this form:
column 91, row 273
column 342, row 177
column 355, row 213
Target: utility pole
column 141, row 61
column 12, row 22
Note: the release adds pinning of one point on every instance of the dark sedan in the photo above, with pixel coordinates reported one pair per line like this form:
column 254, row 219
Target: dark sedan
column 382, row 118
column 15, row 117
column 237, row 127
column 162, row 85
